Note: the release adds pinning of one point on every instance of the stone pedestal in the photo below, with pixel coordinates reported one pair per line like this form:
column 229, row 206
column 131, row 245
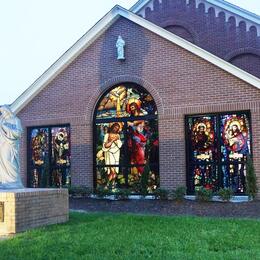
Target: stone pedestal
column 24, row 209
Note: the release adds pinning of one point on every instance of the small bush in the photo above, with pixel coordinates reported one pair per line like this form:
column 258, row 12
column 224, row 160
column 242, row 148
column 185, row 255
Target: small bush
column 122, row 194
column 204, row 195
column 161, row 194
column 179, row 193
column 101, row 192
column 251, row 186
column 226, row 194
column 80, row 191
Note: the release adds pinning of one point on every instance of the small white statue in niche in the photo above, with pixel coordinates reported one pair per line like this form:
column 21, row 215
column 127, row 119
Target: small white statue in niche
column 120, row 45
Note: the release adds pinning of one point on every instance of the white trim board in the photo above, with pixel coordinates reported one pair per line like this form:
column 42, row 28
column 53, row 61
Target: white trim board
column 98, row 29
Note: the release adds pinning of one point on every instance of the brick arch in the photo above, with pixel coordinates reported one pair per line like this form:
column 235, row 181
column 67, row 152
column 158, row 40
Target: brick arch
column 117, row 80
column 185, row 26
column 243, row 51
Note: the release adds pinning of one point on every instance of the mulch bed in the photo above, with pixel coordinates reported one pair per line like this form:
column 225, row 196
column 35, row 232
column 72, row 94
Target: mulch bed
column 159, row 207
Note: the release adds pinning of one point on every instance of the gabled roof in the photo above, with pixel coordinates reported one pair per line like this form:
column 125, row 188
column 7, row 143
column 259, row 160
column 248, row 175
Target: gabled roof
column 98, row 29
column 218, row 3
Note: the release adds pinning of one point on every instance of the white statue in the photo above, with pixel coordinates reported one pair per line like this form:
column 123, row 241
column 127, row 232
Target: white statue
column 120, row 45
column 10, row 133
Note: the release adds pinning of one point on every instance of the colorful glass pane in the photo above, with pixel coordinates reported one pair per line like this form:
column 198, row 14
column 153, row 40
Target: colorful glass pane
column 218, row 146
column 124, row 101
column 203, row 138
column 39, row 146
column 142, row 142
column 110, row 177
column 110, row 140
column 60, row 146
column 205, row 176
column 60, row 177
column 234, row 177
column 126, row 135
column 235, row 143
column 148, row 181
column 49, row 151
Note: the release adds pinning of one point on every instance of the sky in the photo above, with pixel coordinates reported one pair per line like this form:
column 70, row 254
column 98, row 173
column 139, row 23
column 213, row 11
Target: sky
column 35, row 33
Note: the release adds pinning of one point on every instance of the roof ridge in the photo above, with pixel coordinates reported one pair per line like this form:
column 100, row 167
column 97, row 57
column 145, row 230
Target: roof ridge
column 108, row 19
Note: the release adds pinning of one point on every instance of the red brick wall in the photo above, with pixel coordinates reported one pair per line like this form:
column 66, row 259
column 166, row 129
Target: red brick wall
column 210, row 31
column 180, row 82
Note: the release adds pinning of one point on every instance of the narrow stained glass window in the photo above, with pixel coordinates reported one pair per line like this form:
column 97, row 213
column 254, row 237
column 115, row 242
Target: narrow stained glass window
column 49, row 156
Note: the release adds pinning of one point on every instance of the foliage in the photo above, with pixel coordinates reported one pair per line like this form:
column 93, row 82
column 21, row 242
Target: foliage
column 85, row 236
column 161, row 194
column 204, row 195
column 179, row 193
column 80, row 191
column 225, row 194
column 251, row 183
column 122, row 194
column 102, row 192
column 144, row 180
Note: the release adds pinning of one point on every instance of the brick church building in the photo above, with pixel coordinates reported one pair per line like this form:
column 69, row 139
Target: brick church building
column 165, row 94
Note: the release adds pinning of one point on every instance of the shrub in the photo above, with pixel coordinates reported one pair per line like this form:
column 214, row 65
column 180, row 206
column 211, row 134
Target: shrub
column 251, row 186
column 226, row 194
column 204, row 195
column 80, row 191
column 161, row 194
column 179, row 193
column 122, row 194
column 101, row 192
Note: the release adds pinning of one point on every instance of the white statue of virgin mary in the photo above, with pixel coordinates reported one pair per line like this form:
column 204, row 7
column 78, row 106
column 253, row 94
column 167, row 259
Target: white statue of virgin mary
column 10, row 133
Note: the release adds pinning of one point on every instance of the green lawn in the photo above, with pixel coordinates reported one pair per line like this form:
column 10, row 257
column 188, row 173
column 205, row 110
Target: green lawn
column 112, row 236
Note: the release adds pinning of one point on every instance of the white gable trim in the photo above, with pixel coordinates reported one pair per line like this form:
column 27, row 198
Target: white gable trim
column 218, row 3
column 97, row 30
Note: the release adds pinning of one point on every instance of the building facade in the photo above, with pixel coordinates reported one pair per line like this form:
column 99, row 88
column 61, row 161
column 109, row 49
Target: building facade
column 170, row 114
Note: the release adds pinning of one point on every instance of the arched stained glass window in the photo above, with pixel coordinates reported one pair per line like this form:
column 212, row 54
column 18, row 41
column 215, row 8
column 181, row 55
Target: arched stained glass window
column 126, row 142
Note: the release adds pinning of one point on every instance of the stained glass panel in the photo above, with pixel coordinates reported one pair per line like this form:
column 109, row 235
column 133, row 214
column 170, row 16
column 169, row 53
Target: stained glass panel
column 60, row 146
column 235, row 141
column 124, row 101
column 49, row 153
column 142, row 142
column 110, row 140
column 205, row 176
column 234, row 177
column 218, row 146
column 39, row 146
column 126, row 140
column 110, row 177
column 203, row 138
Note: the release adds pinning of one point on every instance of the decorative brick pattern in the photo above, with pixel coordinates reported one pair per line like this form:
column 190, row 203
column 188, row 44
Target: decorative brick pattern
column 29, row 208
column 225, row 35
column 180, row 82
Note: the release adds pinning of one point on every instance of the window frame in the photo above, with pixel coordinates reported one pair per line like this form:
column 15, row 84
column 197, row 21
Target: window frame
column 218, row 163
column 124, row 120
column 29, row 151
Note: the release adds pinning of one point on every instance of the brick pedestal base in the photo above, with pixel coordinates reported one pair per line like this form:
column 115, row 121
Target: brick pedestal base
column 24, row 209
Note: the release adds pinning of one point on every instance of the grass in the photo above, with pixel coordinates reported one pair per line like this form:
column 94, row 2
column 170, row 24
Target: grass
column 118, row 236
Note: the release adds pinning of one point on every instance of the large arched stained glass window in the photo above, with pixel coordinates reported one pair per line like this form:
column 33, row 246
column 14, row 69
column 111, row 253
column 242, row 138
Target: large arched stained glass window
column 126, row 143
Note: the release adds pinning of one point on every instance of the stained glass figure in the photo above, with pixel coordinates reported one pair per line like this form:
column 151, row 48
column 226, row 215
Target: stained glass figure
column 218, row 146
column 126, row 140
column 124, row 101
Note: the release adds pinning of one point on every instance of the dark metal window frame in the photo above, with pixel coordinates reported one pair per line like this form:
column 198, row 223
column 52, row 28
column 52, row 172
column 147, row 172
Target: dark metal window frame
column 217, row 163
column 29, row 151
column 125, row 165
